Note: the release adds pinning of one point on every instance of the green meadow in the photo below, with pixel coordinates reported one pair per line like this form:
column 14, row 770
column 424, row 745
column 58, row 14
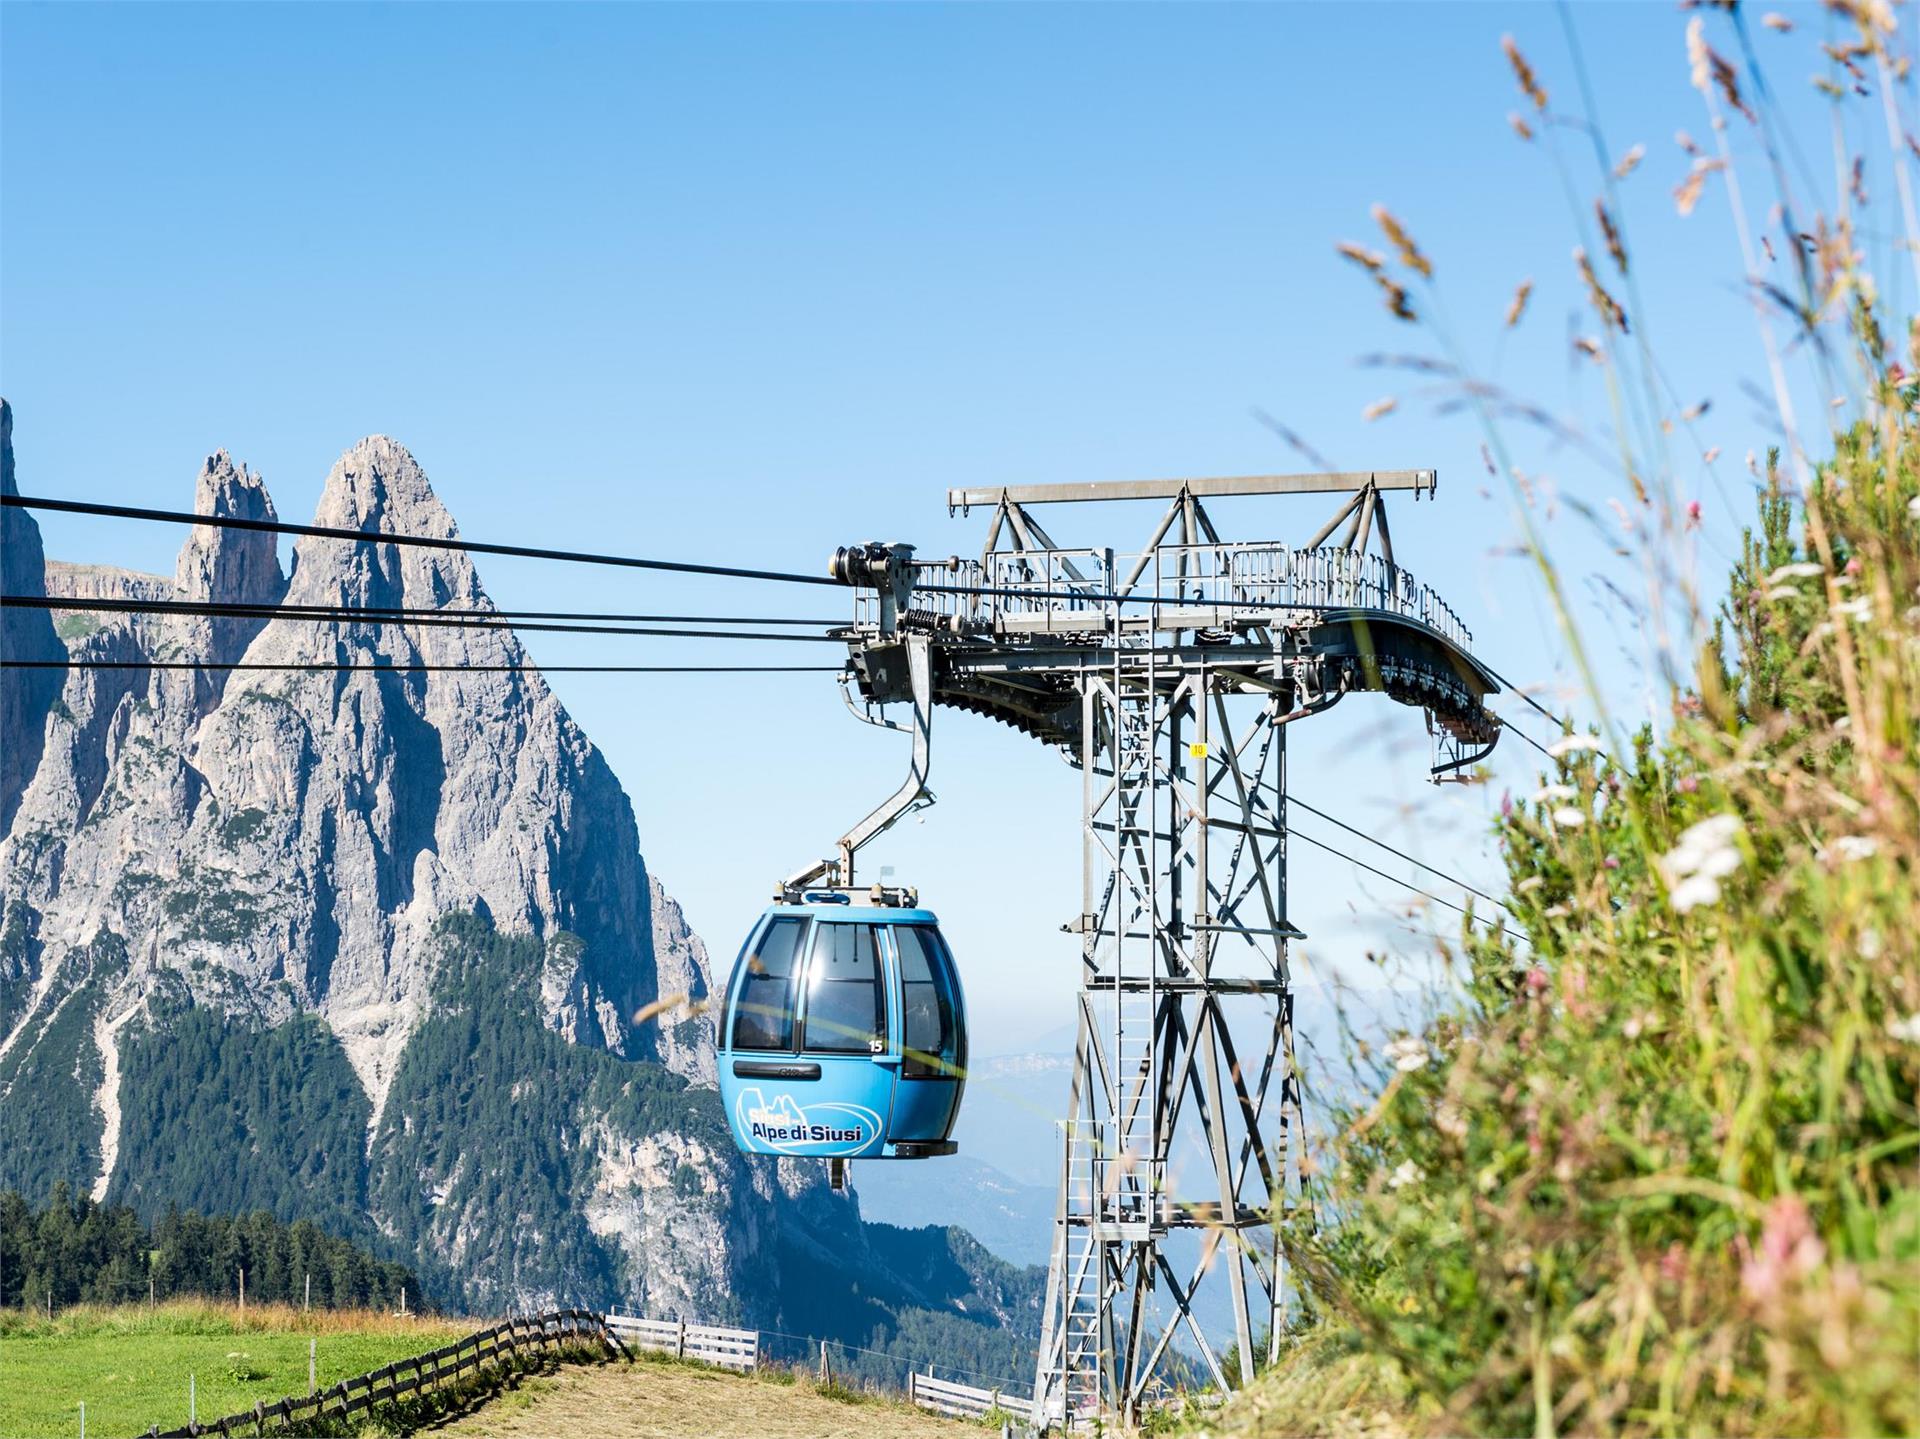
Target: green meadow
column 130, row 1364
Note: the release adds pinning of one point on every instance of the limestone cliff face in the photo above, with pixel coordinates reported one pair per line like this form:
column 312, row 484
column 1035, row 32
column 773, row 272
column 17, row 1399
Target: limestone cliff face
column 368, row 946
column 25, row 635
column 277, row 842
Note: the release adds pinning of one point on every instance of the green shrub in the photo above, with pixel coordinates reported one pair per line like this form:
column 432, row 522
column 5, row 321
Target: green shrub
column 1655, row 1171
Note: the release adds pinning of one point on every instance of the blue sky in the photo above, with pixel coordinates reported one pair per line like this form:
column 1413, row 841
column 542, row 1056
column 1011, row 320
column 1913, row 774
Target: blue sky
column 740, row 284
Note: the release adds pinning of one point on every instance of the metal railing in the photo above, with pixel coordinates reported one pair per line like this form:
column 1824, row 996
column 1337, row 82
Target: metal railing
column 1077, row 588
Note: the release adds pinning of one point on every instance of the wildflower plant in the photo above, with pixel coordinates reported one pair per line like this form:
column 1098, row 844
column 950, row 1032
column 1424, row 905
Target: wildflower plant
column 1658, row 1172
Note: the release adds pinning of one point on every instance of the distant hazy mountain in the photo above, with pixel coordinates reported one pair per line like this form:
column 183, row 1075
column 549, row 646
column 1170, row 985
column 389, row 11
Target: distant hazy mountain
column 369, row 948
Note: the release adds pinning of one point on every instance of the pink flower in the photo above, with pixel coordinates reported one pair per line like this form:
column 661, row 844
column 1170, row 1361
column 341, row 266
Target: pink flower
column 1612, row 861
column 1506, row 804
column 1789, row 1250
column 1536, row 979
column 1687, row 784
column 1673, row 1264
column 1693, row 513
column 1853, row 565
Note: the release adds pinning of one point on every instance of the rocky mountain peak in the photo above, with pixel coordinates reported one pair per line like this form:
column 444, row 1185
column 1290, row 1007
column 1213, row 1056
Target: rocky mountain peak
column 224, row 565
column 26, row 696
column 378, row 485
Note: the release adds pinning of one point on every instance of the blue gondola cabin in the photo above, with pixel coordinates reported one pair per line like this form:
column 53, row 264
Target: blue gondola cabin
column 844, row 1035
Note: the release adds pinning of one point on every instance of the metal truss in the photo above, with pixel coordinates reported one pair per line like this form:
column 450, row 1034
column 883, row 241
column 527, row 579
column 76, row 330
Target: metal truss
column 1170, row 678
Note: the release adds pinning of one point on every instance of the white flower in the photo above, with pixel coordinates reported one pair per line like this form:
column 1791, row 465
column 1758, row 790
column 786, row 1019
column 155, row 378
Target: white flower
column 1694, row 891
column 1705, row 855
column 1849, row 847
column 1913, row 507
column 1718, row 863
column 1907, row 1030
column 1556, row 791
column 1804, row 570
column 1573, row 744
column 1870, row 944
column 1409, row 1054
column 1857, row 610
column 1716, row 829
column 1568, row 817
column 1407, row 1173
column 1777, row 593
column 1450, row 1119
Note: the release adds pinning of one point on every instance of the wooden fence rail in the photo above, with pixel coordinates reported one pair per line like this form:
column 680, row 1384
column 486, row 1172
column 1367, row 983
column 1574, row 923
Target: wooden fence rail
column 408, row 1378
column 710, row 1343
column 963, row 1401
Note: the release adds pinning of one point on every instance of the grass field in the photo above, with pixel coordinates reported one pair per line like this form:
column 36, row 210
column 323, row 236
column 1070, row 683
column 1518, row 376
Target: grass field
column 662, row 1398
column 130, row 1364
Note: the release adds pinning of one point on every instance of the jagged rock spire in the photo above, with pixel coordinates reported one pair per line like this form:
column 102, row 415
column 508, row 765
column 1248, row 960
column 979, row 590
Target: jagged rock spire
column 26, row 696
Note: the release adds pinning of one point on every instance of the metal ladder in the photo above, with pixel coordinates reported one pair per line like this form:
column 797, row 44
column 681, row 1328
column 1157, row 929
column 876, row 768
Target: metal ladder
column 1084, row 1354
column 1133, row 1183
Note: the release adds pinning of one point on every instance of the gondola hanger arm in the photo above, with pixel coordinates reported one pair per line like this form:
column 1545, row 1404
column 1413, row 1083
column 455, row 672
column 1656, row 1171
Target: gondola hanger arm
column 913, row 794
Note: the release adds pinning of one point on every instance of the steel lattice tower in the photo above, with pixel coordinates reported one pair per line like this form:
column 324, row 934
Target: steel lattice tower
column 1170, row 677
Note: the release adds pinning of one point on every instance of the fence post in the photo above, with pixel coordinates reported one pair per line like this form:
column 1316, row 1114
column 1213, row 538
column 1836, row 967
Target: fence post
column 826, row 1365
column 193, row 1410
column 83, row 1419
column 306, row 1300
column 243, row 1289
column 913, row 1385
column 680, row 1348
column 313, row 1346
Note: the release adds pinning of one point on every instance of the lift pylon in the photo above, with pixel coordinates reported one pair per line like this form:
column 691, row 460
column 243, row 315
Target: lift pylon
column 1170, row 678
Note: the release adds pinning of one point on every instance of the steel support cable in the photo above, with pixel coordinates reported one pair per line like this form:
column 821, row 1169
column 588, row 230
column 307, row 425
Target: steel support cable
column 1544, row 711
column 472, row 620
column 497, row 619
column 386, row 537
column 347, row 668
column 246, row 609
column 188, row 517
column 1512, row 728
column 1294, row 799
column 815, row 1340
column 389, row 537
column 1404, row 884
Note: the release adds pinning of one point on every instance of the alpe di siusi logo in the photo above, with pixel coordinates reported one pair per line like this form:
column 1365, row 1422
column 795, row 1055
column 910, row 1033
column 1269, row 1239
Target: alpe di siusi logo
column 785, row 1124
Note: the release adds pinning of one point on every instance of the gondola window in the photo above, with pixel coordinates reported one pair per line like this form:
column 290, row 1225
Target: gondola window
column 926, row 1005
column 763, row 1014
column 846, row 993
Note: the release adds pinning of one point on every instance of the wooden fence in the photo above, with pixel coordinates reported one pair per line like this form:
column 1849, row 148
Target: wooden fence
column 710, row 1343
column 963, row 1401
column 409, row 1378
column 512, row 1338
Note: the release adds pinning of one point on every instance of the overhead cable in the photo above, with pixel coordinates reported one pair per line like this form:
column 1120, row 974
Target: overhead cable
column 388, row 537
column 1512, row 728
column 1294, row 799
column 1404, row 884
column 351, row 614
column 401, row 611
column 188, row 517
column 326, row 667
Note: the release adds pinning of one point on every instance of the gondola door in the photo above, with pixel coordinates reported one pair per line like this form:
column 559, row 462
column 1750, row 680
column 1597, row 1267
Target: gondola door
column 844, row 1018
